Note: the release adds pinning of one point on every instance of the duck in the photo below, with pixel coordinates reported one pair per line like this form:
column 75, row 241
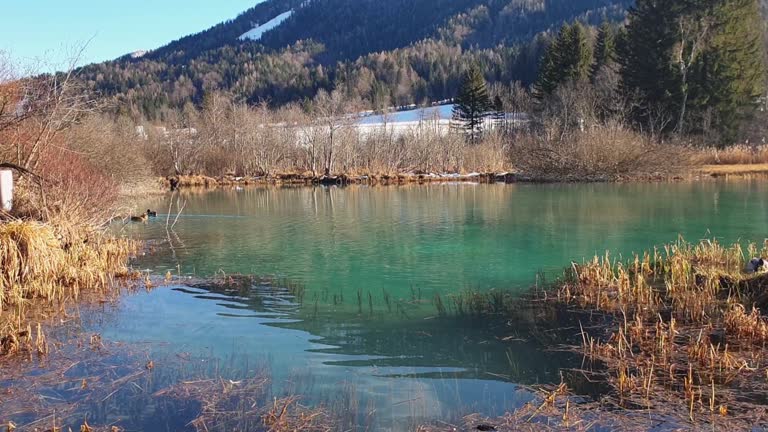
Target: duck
column 142, row 218
column 757, row 265
column 151, row 213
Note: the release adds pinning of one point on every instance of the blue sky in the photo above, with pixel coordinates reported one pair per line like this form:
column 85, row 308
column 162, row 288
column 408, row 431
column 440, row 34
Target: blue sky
column 46, row 32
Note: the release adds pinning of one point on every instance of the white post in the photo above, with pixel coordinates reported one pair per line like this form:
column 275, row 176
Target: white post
column 6, row 190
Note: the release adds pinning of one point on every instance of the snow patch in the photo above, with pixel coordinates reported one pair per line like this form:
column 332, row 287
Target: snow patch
column 257, row 32
column 441, row 112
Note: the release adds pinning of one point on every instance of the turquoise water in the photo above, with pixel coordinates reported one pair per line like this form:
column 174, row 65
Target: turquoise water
column 370, row 261
column 444, row 238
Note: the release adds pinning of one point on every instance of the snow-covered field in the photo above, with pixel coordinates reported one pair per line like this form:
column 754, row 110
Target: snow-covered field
column 436, row 119
column 442, row 112
column 256, row 33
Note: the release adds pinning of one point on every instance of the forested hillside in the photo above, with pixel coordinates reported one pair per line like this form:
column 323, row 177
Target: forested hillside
column 387, row 53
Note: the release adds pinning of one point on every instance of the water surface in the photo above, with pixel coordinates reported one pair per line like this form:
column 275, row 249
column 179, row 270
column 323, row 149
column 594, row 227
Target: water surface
column 369, row 262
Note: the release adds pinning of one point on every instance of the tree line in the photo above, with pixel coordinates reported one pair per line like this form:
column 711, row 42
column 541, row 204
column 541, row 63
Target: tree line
column 386, row 53
column 688, row 67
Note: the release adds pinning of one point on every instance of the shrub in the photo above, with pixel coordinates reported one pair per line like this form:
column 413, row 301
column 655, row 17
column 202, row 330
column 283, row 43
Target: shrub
column 602, row 152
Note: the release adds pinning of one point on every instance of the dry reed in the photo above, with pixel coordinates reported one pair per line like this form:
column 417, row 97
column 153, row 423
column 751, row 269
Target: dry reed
column 40, row 268
column 678, row 334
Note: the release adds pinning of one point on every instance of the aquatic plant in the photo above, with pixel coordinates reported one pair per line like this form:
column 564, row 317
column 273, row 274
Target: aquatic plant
column 672, row 332
column 679, row 333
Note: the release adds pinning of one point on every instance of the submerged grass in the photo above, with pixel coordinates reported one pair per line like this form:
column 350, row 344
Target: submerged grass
column 239, row 405
column 41, row 271
column 675, row 336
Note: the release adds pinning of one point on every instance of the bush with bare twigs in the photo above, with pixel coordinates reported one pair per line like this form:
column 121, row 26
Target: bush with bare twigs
column 601, row 153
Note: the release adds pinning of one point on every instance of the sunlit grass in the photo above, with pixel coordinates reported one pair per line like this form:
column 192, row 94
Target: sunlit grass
column 39, row 268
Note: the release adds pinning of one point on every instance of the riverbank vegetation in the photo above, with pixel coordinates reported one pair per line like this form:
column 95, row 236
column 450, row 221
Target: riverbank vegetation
column 53, row 248
column 675, row 335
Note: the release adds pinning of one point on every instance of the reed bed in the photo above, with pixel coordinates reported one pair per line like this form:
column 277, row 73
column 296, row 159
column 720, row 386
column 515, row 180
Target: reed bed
column 554, row 408
column 41, row 272
column 733, row 155
column 676, row 338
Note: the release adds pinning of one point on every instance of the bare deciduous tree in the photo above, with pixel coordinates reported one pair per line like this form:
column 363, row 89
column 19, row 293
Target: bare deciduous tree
column 333, row 114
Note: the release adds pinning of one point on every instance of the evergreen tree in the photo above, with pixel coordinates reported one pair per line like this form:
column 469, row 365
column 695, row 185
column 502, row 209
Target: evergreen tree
column 687, row 59
column 579, row 55
column 645, row 60
column 605, row 47
column 567, row 59
column 550, row 73
column 473, row 104
column 734, row 66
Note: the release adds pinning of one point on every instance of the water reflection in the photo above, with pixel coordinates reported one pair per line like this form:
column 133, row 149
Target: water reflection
column 407, row 371
column 442, row 238
column 346, row 314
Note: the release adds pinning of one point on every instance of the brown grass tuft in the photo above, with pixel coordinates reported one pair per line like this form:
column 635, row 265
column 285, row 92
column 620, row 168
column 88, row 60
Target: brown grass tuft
column 39, row 267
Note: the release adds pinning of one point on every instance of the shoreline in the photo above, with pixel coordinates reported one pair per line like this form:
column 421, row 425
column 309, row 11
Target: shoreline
column 734, row 170
column 702, row 173
column 697, row 377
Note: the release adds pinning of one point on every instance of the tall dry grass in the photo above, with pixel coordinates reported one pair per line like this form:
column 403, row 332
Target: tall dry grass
column 679, row 340
column 41, row 269
column 69, row 165
column 734, row 155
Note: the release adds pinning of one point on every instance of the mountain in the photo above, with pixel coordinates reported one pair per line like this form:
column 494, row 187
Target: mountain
column 392, row 52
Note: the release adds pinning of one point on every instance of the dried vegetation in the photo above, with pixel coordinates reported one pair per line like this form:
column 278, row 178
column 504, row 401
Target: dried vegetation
column 679, row 334
column 41, row 272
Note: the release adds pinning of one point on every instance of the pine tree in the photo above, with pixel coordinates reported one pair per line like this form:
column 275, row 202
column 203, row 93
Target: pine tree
column 473, row 104
column 686, row 59
column 579, row 53
column 605, row 47
column 645, row 60
column 568, row 58
column 550, row 73
column 734, row 66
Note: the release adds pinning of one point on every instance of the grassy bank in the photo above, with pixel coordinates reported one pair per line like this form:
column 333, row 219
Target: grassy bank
column 736, row 170
column 690, row 174
column 191, row 181
column 42, row 274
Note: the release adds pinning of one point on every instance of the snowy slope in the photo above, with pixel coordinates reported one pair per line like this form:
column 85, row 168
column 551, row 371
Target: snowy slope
column 257, row 32
column 442, row 112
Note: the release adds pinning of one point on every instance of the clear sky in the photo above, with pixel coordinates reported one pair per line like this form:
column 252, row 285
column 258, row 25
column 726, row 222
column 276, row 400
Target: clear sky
column 49, row 31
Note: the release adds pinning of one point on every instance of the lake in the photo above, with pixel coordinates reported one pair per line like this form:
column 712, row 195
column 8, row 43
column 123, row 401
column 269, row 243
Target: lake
column 343, row 307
